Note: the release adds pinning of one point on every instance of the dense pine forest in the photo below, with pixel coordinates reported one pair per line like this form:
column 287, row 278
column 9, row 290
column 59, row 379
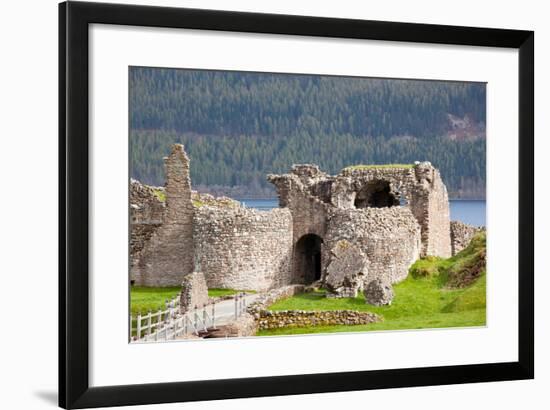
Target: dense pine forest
column 237, row 127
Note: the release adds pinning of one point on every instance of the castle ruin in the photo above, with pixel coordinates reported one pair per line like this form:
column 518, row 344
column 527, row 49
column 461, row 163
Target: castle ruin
column 366, row 223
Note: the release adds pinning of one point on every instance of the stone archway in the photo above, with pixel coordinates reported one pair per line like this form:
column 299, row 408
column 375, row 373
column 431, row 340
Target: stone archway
column 307, row 259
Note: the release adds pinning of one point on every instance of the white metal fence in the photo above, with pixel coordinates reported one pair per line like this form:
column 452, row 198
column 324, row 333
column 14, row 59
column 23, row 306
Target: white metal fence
column 169, row 324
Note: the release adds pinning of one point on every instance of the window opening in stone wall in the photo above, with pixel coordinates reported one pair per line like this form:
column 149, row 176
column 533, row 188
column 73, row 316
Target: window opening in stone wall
column 376, row 194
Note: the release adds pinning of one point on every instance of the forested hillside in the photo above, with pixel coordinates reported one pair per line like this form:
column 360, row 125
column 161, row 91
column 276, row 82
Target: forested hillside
column 237, row 127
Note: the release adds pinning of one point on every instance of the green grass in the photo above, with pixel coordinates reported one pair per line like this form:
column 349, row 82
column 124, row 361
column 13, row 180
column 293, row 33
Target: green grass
column 418, row 304
column 217, row 292
column 473, row 297
column 432, row 321
column 423, row 300
column 143, row 299
column 360, row 167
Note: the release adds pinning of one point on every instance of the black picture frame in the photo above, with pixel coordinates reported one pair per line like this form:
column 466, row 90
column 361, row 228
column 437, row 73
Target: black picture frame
column 74, row 21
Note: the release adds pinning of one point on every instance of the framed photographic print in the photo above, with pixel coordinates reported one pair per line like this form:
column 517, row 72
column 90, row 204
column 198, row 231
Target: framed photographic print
column 304, row 204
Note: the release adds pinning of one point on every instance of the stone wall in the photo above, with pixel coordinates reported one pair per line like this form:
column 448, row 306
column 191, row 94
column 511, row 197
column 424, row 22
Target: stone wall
column 462, row 234
column 145, row 205
column 436, row 228
column 301, row 318
column 146, row 215
column 167, row 256
column 241, row 248
column 308, row 209
column 389, row 237
column 419, row 188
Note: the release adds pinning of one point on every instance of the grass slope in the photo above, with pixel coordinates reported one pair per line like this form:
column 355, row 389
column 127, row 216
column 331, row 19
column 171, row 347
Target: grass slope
column 423, row 300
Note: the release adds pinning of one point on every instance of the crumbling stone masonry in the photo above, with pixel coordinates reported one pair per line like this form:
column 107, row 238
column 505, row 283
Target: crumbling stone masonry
column 302, row 318
column 194, row 292
column 389, row 237
column 232, row 246
column 241, row 248
column 168, row 255
column 461, row 235
column 386, row 216
column 392, row 214
column 346, row 270
column 146, row 213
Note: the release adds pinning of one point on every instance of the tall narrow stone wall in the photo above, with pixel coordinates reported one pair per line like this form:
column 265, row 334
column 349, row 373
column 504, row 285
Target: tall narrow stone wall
column 168, row 254
column 430, row 204
column 244, row 249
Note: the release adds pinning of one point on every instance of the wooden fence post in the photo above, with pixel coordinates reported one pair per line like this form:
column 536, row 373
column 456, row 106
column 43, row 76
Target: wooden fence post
column 195, row 318
column 138, row 326
column 213, row 315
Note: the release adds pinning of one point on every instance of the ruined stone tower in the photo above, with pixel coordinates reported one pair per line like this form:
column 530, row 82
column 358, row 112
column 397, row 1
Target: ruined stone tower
column 168, row 253
column 391, row 214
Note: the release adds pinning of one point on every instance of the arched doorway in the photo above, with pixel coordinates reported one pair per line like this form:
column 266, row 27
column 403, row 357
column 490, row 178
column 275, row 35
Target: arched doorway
column 307, row 259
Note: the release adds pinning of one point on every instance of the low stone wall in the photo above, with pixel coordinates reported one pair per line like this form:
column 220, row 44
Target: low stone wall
column 267, row 319
column 462, row 234
column 300, row 318
column 248, row 323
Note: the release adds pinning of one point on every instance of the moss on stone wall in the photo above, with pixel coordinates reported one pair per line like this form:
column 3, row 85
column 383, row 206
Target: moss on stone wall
column 360, row 167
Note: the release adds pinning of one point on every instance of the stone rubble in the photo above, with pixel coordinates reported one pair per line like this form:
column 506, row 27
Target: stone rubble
column 346, row 270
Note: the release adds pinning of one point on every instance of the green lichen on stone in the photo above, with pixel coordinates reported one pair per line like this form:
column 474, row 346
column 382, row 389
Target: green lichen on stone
column 160, row 194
